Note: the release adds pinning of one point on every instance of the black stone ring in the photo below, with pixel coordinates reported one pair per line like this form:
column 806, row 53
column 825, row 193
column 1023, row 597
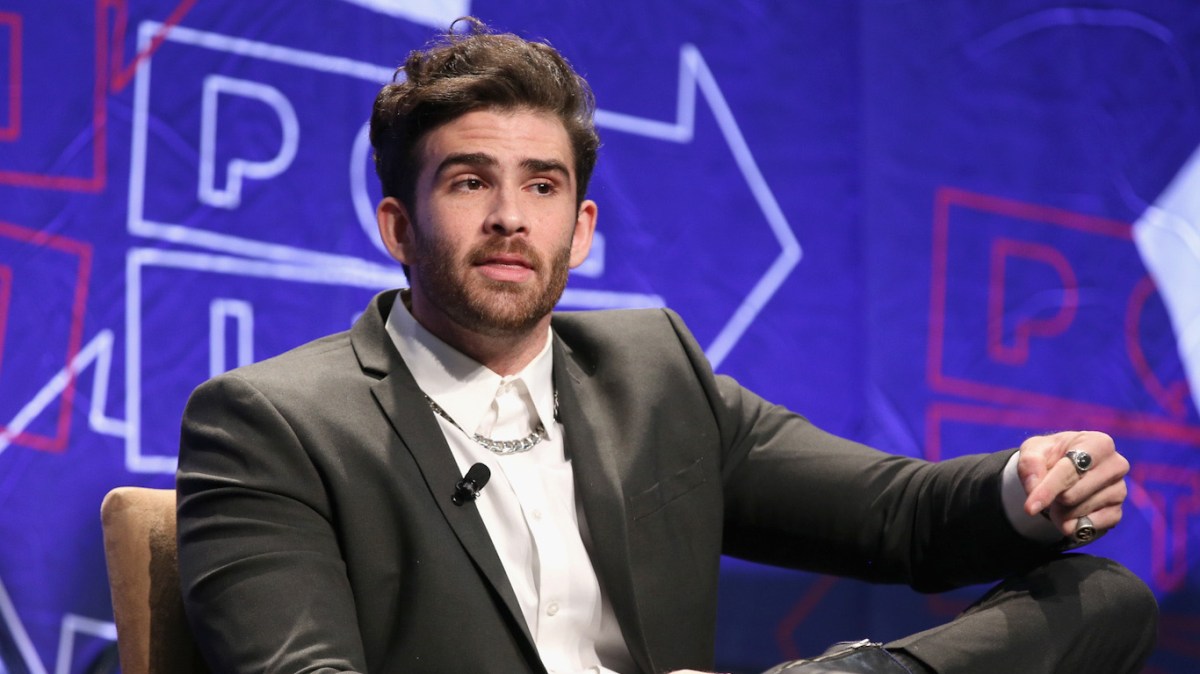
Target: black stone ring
column 1080, row 459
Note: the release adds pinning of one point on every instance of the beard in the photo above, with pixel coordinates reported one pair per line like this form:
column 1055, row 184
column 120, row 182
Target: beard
column 482, row 305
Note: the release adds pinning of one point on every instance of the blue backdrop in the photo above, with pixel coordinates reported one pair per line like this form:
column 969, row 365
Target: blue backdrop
column 933, row 226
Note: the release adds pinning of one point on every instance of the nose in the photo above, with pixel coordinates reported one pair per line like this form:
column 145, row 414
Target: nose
column 507, row 217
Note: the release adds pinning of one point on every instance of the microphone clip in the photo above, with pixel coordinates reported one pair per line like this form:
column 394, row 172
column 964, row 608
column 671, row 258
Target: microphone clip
column 468, row 488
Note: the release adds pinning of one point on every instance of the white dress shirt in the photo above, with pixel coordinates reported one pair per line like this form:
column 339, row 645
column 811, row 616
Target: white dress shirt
column 528, row 505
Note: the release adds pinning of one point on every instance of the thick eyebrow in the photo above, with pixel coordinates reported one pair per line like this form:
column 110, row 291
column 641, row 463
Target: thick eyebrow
column 482, row 159
column 546, row 166
column 469, row 159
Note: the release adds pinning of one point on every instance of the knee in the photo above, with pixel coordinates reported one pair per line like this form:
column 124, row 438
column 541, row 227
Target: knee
column 1113, row 601
column 1115, row 590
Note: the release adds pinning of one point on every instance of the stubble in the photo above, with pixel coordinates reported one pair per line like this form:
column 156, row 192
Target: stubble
column 486, row 306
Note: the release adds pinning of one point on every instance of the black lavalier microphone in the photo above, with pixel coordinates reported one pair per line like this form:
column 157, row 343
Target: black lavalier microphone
column 472, row 483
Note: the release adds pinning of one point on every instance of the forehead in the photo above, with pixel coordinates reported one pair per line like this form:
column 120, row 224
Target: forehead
column 509, row 137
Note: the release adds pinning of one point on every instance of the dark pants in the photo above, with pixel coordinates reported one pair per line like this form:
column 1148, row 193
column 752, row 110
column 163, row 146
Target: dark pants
column 1076, row 613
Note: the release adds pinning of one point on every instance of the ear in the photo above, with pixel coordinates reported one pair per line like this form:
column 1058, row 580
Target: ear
column 395, row 229
column 585, row 227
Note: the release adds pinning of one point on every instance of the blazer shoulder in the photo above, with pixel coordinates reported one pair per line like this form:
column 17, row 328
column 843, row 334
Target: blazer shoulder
column 640, row 338
column 304, row 367
column 617, row 323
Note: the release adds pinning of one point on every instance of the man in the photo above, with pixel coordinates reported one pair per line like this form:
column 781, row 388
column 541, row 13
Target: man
column 325, row 524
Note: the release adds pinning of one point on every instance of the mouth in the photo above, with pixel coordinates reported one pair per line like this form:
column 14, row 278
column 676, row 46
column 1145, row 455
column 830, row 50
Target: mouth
column 506, row 260
column 505, row 267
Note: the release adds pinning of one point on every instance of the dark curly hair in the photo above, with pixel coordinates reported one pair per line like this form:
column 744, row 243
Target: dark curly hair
column 472, row 70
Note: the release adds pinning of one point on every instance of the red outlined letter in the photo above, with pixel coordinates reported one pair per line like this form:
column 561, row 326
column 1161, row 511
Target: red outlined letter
column 1025, row 328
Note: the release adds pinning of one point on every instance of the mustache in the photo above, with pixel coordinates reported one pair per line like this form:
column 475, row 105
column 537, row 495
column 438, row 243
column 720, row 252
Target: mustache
column 501, row 246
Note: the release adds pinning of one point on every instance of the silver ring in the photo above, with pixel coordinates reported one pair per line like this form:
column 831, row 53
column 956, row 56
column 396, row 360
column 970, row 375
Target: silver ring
column 1080, row 459
column 1085, row 531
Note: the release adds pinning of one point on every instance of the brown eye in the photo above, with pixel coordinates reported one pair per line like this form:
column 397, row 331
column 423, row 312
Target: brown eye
column 467, row 185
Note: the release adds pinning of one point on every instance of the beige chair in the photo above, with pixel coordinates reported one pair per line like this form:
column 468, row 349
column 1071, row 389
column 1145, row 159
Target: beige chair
column 143, row 574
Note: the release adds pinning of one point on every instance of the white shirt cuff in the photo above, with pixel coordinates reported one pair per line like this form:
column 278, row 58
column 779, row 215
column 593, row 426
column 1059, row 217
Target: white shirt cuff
column 1033, row 527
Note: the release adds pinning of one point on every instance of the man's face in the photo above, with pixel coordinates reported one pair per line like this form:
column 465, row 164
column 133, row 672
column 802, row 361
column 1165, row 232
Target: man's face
column 493, row 227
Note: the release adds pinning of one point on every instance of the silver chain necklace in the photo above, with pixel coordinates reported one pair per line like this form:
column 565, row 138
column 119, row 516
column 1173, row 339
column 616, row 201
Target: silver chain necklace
column 500, row 447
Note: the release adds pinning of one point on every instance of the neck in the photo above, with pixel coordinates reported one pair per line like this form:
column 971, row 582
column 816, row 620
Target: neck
column 505, row 353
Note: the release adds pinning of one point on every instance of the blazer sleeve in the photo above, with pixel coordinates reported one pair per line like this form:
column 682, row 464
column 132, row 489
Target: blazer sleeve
column 799, row 497
column 259, row 559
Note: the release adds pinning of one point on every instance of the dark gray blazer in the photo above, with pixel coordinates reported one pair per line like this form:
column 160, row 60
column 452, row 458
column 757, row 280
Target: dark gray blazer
column 317, row 534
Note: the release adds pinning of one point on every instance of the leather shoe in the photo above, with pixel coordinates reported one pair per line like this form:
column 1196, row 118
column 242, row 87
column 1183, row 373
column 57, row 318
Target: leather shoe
column 859, row 657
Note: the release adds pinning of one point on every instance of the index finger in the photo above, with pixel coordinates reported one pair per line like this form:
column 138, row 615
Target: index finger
column 1038, row 455
column 1060, row 477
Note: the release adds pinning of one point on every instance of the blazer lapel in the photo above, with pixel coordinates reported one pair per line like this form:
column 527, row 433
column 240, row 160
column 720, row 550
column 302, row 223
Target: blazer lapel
column 590, row 438
column 409, row 415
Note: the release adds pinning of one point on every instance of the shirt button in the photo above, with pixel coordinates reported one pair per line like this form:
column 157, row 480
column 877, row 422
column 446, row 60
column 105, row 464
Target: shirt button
column 552, row 608
column 537, row 514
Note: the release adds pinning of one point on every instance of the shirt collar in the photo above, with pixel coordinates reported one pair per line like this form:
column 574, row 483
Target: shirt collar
column 462, row 386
